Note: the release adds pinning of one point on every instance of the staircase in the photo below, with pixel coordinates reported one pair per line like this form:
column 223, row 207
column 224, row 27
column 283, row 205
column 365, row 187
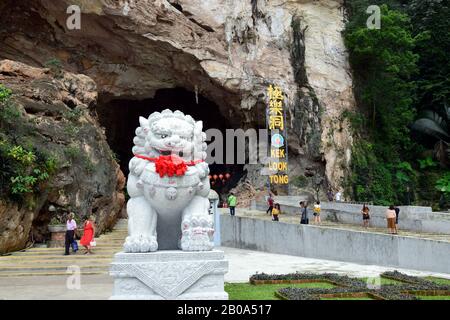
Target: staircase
column 51, row 261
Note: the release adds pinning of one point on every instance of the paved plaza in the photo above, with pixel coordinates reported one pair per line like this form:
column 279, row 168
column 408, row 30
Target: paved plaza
column 242, row 264
column 41, row 273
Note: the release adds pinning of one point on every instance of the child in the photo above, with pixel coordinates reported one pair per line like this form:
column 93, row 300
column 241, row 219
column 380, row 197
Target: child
column 317, row 213
column 366, row 216
column 275, row 212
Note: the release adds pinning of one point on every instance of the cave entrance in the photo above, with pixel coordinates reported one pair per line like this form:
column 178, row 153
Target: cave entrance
column 120, row 117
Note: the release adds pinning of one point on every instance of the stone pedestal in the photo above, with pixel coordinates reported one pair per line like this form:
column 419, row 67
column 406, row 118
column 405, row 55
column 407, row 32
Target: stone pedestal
column 171, row 275
column 58, row 236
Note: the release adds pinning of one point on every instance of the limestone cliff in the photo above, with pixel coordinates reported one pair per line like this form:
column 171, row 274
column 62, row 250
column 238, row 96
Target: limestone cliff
column 52, row 117
column 226, row 50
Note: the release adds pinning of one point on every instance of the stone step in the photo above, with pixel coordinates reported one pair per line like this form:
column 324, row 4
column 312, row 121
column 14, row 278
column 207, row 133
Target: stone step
column 99, row 245
column 43, row 261
column 60, row 252
column 55, row 258
column 48, row 273
column 38, row 262
column 54, row 267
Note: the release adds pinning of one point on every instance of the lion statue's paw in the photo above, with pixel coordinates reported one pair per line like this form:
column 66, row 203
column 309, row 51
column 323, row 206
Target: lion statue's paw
column 140, row 244
column 197, row 234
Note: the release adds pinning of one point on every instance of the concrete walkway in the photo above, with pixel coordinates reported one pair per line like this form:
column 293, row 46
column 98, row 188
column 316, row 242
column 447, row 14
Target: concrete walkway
column 244, row 212
column 41, row 273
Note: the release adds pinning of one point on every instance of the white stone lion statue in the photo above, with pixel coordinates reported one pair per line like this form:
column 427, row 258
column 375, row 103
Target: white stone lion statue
column 168, row 186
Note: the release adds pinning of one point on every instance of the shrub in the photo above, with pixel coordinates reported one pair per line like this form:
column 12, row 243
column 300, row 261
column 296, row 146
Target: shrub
column 74, row 114
column 55, row 67
column 72, row 151
column 300, row 181
column 5, row 94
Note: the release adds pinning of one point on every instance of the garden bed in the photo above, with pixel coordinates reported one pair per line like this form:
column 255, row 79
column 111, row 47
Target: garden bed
column 294, row 281
column 399, row 287
column 351, row 296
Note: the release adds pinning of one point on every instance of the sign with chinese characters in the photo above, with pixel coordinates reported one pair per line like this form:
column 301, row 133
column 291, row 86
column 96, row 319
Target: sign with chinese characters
column 276, row 125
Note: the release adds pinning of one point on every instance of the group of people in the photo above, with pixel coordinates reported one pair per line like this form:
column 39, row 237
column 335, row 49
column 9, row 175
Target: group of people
column 334, row 196
column 87, row 240
column 391, row 214
column 274, row 209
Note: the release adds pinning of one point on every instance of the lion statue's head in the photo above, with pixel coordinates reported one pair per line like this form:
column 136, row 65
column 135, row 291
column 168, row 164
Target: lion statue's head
column 170, row 133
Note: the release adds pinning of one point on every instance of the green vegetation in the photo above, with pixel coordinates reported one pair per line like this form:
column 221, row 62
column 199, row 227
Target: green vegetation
column 23, row 168
column 439, row 280
column 8, row 112
column 247, row 291
column 55, row 67
column 401, row 73
column 73, row 115
column 433, row 297
column 300, row 181
column 393, row 286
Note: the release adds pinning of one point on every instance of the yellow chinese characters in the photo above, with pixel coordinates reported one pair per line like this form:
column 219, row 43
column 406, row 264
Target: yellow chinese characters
column 276, row 118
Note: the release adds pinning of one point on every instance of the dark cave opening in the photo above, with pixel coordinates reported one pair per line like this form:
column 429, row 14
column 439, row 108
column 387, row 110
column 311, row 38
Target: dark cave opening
column 120, row 117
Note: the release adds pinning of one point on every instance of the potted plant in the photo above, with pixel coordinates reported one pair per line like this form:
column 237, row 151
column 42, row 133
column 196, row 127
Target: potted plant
column 58, row 232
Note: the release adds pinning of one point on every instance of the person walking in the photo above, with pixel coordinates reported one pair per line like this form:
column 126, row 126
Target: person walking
column 88, row 235
column 397, row 211
column 232, row 203
column 71, row 227
column 275, row 212
column 270, row 203
column 330, row 195
column 316, row 213
column 338, row 196
column 304, row 212
column 390, row 217
column 365, row 215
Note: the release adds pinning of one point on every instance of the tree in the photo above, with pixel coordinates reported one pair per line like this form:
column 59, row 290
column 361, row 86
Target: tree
column 383, row 62
column 434, row 125
column 431, row 25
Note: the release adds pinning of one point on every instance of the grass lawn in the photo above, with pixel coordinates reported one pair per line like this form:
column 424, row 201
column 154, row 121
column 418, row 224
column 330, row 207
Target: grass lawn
column 434, row 297
column 439, row 280
column 247, row 291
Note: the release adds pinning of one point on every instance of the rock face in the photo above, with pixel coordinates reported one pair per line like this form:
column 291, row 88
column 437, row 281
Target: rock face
column 54, row 118
column 228, row 51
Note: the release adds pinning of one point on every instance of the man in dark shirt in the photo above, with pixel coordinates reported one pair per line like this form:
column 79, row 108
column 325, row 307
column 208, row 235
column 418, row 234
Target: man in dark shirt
column 304, row 213
column 397, row 211
column 270, row 203
column 330, row 195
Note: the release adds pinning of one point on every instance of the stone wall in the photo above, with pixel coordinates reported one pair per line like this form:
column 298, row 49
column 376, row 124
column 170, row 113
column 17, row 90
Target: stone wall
column 335, row 244
column 54, row 119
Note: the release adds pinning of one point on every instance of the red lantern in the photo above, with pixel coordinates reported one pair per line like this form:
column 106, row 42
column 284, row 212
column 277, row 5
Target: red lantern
column 209, row 177
column 227, row 175
column 215, row 177
column 220, row 176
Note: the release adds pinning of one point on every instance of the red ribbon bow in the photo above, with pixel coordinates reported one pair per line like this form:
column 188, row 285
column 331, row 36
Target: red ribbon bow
column 169, row 165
